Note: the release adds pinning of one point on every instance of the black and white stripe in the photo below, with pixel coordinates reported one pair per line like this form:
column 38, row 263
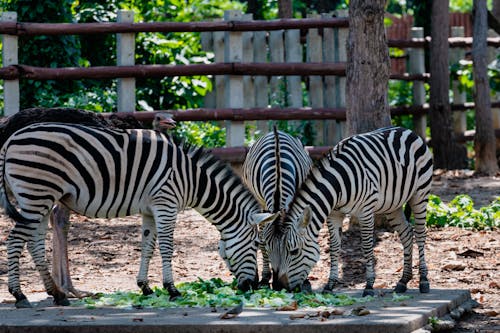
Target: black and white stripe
column 108, row 173
column 372, row 173
column 274, row 168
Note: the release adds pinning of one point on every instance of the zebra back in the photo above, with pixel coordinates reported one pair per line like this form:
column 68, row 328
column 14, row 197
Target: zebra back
column 274, row 168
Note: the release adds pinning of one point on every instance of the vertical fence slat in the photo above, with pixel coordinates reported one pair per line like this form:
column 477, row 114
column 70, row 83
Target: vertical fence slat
column 207, row 45
column 293, row 53
column 337, row 130
column 457, row 54
column 235, row 130
column 10, row 57
column 220, row 82
column 417, row 66
column 260, row 82
column 248, row 80
column 315, row 54
column 277, row 54
column 125, row 56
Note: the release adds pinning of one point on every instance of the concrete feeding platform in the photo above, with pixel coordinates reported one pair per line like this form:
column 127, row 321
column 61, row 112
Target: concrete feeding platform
column 385, row 316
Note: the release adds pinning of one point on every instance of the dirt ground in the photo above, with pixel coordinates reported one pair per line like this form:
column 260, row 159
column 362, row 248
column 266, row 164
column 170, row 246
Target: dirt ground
column 104, row 255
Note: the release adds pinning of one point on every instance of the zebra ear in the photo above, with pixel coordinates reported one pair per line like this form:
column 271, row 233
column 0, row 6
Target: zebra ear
column 305, row 218
column 263, row 218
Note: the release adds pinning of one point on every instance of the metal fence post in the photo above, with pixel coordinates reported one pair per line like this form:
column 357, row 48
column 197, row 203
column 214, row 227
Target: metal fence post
column 235, row 130
column 125, row 56
column 10, row 57
column 417, row 66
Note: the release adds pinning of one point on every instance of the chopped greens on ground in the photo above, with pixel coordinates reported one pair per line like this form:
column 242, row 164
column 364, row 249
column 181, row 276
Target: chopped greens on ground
column 217, row 293
column 460, row 212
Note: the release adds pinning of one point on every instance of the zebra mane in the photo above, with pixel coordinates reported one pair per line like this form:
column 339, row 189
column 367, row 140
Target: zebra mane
column 277, row 170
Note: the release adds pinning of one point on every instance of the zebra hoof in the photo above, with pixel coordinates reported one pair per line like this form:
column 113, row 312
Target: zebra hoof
column 368, row 292
column 172, row 291
column 23, row 304
column 424, row 287
column 400, row 288
column 62, row 301
column 174, row 296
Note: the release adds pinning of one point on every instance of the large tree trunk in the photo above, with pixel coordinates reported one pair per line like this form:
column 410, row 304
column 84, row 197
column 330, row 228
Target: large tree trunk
column 367, row 67
column 367, row 72
column 447, row 153
column 484, row 140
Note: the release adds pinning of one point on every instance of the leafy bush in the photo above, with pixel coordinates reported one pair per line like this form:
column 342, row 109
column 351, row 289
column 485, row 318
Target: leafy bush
column 460, row 212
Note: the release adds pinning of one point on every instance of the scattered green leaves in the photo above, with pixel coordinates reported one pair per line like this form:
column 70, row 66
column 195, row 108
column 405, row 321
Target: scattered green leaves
column 460, row 212
column 218, row 293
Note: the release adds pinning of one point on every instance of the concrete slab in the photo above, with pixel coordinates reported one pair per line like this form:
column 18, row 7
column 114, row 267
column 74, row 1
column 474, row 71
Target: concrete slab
column 385, row 316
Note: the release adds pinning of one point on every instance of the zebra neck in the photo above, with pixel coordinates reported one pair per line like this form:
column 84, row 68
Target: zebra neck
column 222, row 199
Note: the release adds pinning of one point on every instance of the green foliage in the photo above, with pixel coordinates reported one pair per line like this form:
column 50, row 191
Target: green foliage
column 45, row 51
column 203, row 133
column 217, row 293
column 460, row 212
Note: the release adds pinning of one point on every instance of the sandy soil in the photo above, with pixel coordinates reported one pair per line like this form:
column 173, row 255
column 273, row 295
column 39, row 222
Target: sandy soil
column 104, row 255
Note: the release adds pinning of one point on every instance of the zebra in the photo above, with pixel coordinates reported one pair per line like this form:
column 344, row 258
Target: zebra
column 60, row 215
column 366, row 174
column 102, row 172
column 274, row 168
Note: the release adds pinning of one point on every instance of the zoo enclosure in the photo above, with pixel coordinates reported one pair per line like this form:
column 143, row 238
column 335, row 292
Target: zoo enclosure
column 246, row 54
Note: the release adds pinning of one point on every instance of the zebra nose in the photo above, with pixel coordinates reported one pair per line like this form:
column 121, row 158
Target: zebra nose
column 279, row 281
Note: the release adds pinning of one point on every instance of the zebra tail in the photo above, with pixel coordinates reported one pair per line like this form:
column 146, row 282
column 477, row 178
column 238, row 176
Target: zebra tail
column 277, row 190
column 10, row 210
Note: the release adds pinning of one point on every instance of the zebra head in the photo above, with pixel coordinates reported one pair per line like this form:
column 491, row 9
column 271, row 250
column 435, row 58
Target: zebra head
column 292, row 250
column 240, row 252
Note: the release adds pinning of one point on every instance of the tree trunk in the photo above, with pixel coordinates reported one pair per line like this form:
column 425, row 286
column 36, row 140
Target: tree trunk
column 367, row 67
column 285, row 8
column 448, row 154
column 484, row 140
column 496, row 9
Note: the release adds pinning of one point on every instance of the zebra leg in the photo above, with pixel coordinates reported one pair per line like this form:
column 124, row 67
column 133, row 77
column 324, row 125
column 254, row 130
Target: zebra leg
column 59, row 219
column 266, row 270
column 165, row 229
column 419, row 213
column 15, row 244
column 366, row 224
column 36, row 247
column 334, row 223
column 147, row 247
column 399, row 223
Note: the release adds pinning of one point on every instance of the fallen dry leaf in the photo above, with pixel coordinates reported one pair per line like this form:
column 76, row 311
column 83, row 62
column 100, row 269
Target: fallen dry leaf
column 289, row 307
column 294, row 316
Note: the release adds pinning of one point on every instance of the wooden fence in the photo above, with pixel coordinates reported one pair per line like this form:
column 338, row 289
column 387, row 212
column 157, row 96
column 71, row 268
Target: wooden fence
column 258, row 70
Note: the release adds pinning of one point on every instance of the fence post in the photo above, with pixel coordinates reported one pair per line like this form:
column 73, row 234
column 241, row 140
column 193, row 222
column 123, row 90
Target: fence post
column 10, row 57
column 335, row 50
column 417, row 66
column 293, row 53
column 207, row 45
column 315, row 54
column 260, row 82
column 235, row 130
column 277, row 54
column 125, row 56
column 457, row 54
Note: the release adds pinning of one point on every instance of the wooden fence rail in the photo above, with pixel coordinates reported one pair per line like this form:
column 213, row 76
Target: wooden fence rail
column 251, row 58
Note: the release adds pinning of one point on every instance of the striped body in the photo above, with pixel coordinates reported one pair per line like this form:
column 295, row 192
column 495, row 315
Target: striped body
column 372, row 173
column 275, row 166
column 108, row 173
